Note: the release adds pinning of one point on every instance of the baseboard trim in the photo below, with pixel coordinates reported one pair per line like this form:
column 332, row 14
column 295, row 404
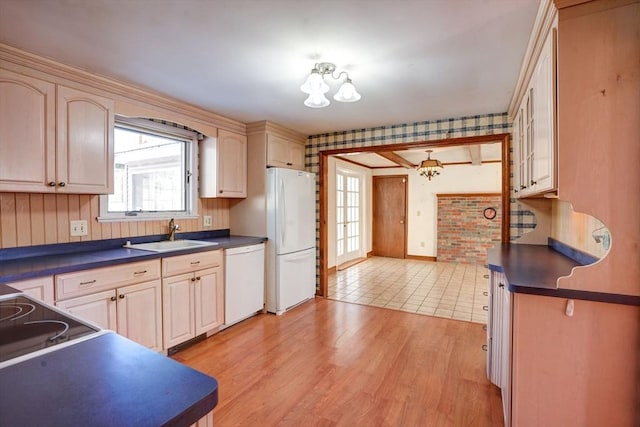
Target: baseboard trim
column 422, row 258
column 369, row 254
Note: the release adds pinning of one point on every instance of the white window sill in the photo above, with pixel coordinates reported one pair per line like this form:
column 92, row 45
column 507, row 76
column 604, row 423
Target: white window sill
column 145, row 217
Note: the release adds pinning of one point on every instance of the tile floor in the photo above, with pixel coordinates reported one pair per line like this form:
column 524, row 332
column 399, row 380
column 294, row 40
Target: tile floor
column 450, row 290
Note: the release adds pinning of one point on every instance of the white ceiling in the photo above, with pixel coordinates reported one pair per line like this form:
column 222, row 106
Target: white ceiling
column 411, row 60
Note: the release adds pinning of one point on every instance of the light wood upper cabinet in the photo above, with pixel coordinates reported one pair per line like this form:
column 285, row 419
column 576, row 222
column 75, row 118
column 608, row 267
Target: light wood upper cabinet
column 54, row 138
column 534, row 127
column 223, row 165
column 284, row 153
column 85, row 142
column 27, row 133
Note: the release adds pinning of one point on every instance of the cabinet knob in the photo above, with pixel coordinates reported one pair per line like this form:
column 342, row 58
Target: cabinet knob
column 62, row 184
column 112, row 298
column 51, row 184
column 121, row 296
column 289, row 164
column 198, row 278
column 501, row 285
column 485, row 307
column 522, row 187
column 484, row 347
column 533, row 182
column 220, row 191
column 486, row 276
column 193, row 279
column 485, row 293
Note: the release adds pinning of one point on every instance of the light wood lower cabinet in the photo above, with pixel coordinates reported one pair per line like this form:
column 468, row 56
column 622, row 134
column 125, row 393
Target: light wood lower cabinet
column 40, row 288
column 133, row 311
column 124, row 298
column 193, row 302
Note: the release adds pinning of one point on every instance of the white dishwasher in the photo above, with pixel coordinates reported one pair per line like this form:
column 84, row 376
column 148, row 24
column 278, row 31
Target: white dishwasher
column 243, row 282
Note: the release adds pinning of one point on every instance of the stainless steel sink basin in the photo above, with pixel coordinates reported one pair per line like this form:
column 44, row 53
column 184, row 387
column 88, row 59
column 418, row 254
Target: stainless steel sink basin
column 170, row 245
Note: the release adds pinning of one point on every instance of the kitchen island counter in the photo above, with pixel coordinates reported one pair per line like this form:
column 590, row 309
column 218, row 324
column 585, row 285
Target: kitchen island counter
column 105, row 381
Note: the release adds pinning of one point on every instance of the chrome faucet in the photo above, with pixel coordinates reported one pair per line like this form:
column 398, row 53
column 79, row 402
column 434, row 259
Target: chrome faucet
column 173, row 227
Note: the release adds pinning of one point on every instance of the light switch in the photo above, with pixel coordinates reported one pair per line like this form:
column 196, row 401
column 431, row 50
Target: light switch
column 79, row 228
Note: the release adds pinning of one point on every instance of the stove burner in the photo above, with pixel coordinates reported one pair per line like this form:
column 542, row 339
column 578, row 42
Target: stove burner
column 27, row 326
column 18, row 306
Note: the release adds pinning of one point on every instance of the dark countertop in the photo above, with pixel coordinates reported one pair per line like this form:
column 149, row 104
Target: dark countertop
column 105, row 381
column 535, row 269
column 86, row 255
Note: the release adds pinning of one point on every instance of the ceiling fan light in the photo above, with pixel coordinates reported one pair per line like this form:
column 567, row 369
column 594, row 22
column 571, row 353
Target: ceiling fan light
column 316, row 100
column 347, row 93
column 314, row 83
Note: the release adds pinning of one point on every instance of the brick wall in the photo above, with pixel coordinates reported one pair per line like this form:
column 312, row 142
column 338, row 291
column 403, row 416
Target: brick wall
column 464, row 234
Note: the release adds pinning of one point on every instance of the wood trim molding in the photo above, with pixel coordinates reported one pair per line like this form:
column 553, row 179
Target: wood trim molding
column 369, row 254
column 467, row 194
column 421, row 258
column 332, row 270
column 265, row 126
column 323, row 157
column 28, row 63
column 547, row 12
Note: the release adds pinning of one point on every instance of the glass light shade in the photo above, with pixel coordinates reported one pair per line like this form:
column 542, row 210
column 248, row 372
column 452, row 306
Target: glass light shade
column 347, row 93
column 430, row 167
column 316, row 100
column 314, row 83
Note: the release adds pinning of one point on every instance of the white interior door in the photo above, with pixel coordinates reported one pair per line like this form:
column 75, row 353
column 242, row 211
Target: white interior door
column 348, row 216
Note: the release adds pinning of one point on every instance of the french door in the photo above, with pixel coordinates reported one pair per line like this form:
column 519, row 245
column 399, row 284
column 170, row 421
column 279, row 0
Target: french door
column 348, row 216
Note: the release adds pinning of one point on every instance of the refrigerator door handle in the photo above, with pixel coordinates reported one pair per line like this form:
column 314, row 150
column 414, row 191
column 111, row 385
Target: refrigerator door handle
column 283, row 219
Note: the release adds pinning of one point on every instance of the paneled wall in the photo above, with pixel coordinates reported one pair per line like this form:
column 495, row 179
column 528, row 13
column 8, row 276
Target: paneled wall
column 39, row 219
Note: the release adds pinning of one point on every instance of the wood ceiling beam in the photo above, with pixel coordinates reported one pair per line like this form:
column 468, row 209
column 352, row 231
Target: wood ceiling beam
column 395, row 158
column 475, row 154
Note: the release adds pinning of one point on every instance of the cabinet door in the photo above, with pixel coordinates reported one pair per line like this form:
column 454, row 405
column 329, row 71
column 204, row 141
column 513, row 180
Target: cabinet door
column 517, row 131
column 85, row 142
column 98, row 308
column 177, row 309
column 27, row 133
column 543, row 174
column 232, row 164
column 140, row 314
column 40, row 288
column 278, row 152
column 208, row 299
column 296, row 155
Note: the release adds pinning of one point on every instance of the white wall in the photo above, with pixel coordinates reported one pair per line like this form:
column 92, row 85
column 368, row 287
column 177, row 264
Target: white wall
column 422, row 202
column 331, row 207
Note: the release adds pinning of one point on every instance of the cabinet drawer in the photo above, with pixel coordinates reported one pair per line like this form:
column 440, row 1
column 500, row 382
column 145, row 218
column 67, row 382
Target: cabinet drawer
column 192, row 262
column 99, row 279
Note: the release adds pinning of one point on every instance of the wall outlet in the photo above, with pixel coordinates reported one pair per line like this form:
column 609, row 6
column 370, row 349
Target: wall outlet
column 207, row 220
column 79, row 228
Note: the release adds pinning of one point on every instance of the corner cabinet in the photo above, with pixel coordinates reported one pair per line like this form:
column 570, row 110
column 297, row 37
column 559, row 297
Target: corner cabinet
column 223, row 165
column 54, row 138
column 193, row 300
column 534, row 126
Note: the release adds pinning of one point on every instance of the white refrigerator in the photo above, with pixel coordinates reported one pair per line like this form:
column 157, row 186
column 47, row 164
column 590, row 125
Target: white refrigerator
column 291, row 229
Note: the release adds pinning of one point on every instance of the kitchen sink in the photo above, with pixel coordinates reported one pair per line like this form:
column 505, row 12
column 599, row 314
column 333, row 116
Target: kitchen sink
column 170, row 245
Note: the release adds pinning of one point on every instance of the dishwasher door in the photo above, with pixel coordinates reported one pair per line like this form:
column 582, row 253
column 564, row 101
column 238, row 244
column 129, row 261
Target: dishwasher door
column 243, row 283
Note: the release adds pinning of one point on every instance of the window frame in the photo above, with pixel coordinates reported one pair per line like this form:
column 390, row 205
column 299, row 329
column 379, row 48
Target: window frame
column 191, row 159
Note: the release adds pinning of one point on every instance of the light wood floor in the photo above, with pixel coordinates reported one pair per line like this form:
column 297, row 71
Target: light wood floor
column 329, row 363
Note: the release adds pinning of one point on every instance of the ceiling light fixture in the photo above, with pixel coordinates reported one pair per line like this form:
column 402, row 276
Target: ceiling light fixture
column 430, row 167
column 316, row 87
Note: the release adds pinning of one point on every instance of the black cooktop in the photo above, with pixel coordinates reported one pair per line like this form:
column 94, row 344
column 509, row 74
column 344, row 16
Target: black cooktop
column 27, row 326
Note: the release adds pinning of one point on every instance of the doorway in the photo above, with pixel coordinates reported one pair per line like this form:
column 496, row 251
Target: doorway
column 389, row 216
column 323, row 159
column 348, row 216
